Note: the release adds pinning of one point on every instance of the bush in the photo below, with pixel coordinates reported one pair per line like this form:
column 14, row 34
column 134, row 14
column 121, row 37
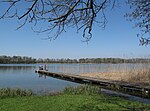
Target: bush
column 82, row 89
column 8, row 92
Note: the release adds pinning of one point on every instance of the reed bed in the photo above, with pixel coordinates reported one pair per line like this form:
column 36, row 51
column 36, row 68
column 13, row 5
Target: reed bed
column 129, row 72
column 133, row 73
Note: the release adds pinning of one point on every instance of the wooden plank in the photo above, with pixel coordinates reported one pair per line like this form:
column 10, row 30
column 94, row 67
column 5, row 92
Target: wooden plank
column 125, row 87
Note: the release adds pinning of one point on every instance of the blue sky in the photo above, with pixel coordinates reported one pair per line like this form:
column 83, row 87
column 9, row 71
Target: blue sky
column 117, row 40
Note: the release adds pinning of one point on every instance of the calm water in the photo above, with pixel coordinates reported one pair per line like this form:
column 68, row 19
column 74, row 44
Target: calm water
column 24, row 76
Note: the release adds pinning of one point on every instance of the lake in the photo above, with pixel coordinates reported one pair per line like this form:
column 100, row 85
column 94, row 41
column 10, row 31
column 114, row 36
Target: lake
column 24, row 76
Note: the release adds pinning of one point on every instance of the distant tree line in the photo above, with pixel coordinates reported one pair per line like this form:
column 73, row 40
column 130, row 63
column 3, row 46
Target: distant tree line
column 16, row 59
column 27, row 60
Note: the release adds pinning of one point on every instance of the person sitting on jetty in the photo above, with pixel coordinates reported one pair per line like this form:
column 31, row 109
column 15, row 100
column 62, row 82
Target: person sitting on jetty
column 40, row 67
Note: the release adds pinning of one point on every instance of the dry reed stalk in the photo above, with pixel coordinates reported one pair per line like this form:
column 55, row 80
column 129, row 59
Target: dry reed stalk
column 134, row 74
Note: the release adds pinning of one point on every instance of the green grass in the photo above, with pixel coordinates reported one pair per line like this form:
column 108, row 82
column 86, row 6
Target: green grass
column 69, row 101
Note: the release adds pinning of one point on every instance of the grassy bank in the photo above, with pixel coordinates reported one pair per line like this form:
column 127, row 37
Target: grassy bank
column 83, row 98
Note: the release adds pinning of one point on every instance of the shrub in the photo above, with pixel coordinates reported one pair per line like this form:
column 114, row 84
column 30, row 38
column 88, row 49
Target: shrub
column 8, row 92
column 82, row 89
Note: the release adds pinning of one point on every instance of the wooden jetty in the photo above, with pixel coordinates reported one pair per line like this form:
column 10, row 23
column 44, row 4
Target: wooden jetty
column 125, row 87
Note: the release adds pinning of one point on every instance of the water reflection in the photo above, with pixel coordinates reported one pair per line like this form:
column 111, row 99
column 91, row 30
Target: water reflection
column 41, row 76
column 16, row 69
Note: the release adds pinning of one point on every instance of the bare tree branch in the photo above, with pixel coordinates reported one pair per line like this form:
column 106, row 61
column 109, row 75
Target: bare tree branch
column 140, row 14
column 56, row 15
column 30, row 9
